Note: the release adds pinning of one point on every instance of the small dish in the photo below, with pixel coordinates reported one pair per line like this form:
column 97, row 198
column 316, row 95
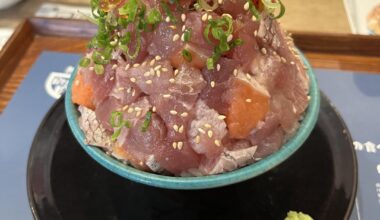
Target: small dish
column 204, row 182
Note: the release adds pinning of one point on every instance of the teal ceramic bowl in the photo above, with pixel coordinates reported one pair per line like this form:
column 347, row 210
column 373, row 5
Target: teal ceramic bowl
column 192, row 183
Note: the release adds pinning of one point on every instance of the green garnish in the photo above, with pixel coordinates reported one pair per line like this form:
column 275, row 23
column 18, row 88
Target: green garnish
column 115, row 135
column 117, row 122
column 254, row 10
column 220, row 30
column 146, row 123
column 129, row 10
column 205, row 6
column 187, row 55
column 168, row 12
column 187, row 34
column 84, row 62
column 154, row 17
column 282, row 11
column 116, row 119
column 99, row 69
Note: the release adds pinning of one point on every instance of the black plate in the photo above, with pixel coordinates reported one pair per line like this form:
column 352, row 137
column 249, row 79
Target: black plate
column 319, row 179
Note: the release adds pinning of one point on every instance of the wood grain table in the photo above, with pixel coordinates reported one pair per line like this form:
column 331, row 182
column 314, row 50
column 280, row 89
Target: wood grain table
column 336, row 51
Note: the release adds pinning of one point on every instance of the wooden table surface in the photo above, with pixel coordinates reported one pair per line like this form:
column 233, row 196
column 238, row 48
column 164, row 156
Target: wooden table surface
column 327, row 16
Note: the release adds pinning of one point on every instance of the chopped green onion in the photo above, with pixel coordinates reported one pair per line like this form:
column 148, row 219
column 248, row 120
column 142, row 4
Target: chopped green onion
column 125, row 48
column 168, row 12
column 129, row 10
column 237, row 42
column 116, row 119
column 187, row 55
column 148, row 118
column 254, row 10
column 282, row 11
column 84, row 62
column 127, row 124
column 187, row 34
column 99, row 69
column 205, row 6
column 210, row 63
column 154, row 17
column 115, row 135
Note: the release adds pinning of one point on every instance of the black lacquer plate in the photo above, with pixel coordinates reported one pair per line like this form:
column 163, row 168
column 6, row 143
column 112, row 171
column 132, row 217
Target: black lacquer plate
column 319, row 179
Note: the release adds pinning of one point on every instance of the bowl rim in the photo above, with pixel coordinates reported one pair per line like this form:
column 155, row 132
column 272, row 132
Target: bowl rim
column 203, row 182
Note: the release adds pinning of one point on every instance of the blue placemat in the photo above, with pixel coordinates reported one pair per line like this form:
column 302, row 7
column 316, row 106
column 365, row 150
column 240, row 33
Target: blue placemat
column 19, row 122
column 357, row 97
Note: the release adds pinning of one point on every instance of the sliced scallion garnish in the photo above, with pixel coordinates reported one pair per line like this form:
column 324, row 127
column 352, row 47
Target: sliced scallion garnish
column 84, row 62
column 147, row 120
column 187, row 55
column 99, row 69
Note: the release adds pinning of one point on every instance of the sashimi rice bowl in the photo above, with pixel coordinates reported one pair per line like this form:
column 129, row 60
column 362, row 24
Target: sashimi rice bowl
column 191, row 94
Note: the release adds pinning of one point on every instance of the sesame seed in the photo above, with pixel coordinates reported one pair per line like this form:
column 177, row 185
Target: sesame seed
column 255, row 33
column 183, row 17
column 133, row 79
column 226, row 15
column 246, row 6
column 174, row 145
column 176, row 72
column 183, row 27
column 112, row 78
column 209, row 133
column 91, row 68
column 180, row 129
column 235, row 72
column 217, row 143
column 144, row 63
column 133, row 92
column 197, row 139
column 248, row 100
column 220, row 2
column 171, row 80
column 175, row 37
column 218, row 67
column 308, row 98
column 173, row 112
column 129, row 90
column 167, row 19
column 152, row 62
column 157, row 58
column 125, row 107
column 127, row 67
column 151, row 71
column 292, row 62
column 154, row 109
column 283, row 60
column 175, row 127
column 253, row 18
column 138, row 113
column 183, row 37
column 138, row 109
column 204, row 17
column 264, row 51
column 229, row 38
column 201, row 130
column 121, row 89
column 148, row 82
column 136, row 65
column 164, row 69
column 158, row 73
column 207, row 125
column 209, row 17
column 157, row 67
column 180, row 145
column 166, row 96
column 130, row 110
column 221, row 117
column 184, row 114
column 248, row 76
column 114, row 66
column 212, row 84
column 102, row 57
column 146, row 74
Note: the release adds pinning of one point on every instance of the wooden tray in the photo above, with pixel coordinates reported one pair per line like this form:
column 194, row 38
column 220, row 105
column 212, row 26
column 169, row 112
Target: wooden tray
column 34, row 35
